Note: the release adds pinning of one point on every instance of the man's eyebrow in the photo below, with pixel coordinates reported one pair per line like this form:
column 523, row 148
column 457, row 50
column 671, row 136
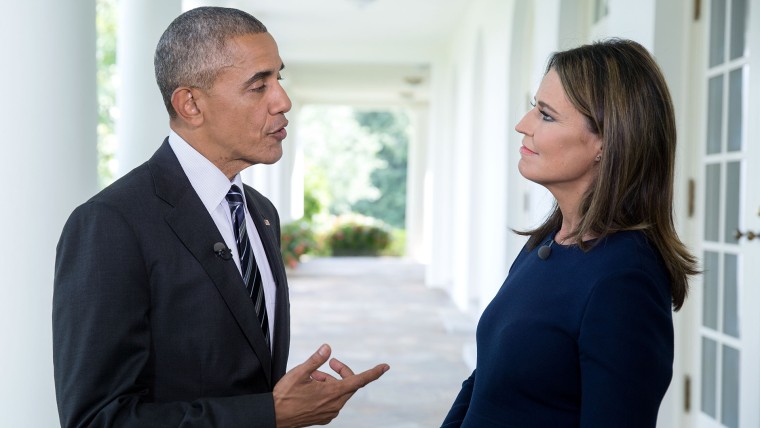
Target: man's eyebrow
column 261, row 75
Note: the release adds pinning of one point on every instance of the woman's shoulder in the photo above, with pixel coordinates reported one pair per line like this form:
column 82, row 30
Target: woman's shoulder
column 629, row 257
column 629, row 248
column 621, row 255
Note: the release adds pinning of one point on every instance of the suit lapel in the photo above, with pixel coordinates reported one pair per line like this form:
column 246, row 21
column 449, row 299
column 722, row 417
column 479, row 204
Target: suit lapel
column 194, row 227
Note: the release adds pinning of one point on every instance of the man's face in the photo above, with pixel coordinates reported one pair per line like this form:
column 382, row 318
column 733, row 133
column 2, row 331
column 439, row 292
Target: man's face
column 244, row 111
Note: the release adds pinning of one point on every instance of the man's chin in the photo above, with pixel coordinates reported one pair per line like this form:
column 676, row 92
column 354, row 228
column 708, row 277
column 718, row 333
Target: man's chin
column 270, row 158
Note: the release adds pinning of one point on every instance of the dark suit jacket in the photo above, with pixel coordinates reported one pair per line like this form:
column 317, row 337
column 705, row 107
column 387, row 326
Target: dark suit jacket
column 150, row 326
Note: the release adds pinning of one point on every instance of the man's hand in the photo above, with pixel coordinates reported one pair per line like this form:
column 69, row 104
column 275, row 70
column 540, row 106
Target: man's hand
column 306, row 396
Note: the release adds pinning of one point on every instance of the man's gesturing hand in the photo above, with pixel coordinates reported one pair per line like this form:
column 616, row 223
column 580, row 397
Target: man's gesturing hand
column 306, row 396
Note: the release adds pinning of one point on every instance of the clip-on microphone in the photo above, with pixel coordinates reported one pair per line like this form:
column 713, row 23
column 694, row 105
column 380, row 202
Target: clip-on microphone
column 222, row 251
column 545, row 250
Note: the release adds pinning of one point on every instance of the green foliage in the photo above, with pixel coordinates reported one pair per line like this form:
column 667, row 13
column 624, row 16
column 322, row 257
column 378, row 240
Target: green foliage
column 105, row 24
column 296, row 239
column 355, row 235
column 397, row 247
column 339, row 157
column 362, row 157
column 391, row 128
column 311, row 205
column 356, row 162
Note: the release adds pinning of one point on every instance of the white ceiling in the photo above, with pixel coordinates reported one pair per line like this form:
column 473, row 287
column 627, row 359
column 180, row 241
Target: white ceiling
column 355, row 51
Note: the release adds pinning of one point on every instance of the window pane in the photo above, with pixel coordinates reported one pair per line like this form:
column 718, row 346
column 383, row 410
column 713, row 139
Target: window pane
column 714, row 114
column 712, row 202
column 735, row 84
column 710, row 298
column 730, row 388
column 730, row 297
column 709, row 372
column 738, row 28
column 717, row 32
column 733, row 184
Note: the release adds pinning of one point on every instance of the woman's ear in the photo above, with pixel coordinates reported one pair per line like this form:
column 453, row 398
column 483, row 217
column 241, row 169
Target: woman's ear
column 599, row 147
column 186, row 106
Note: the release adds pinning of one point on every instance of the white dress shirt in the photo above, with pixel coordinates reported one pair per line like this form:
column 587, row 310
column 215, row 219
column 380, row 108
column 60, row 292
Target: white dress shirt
column 212, row 186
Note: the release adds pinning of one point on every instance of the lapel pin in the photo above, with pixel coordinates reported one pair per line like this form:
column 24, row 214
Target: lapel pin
column 266, row 222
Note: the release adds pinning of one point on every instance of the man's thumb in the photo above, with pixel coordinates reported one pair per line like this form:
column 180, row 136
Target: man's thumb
column 318, row 358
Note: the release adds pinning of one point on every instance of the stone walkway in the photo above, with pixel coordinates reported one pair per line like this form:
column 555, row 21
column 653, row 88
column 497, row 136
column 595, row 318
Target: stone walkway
column 373, row 310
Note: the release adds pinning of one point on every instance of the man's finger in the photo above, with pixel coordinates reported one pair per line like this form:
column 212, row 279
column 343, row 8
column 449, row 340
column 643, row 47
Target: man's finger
column 343, row 370
column 364, row 378
column 321, row 376
column 314, row 362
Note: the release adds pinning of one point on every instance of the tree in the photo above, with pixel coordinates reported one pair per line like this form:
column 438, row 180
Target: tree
column 105, row 24
column 391, row 127
column 339, row 153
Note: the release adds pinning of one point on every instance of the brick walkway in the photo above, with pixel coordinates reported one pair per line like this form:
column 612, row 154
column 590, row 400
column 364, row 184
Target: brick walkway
column 373, row 310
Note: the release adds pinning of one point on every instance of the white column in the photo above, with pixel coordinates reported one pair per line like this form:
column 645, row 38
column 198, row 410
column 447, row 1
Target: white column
column 467, row 148
column 49, row 120
column 460, row 193
column 143, row 122
column 493, row 160
column 415, row 183
column 439, row 180
column 297, row 170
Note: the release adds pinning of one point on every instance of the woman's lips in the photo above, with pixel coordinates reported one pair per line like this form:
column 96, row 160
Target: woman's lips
column 526, row 151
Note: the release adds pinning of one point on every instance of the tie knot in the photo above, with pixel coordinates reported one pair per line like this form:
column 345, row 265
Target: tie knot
column 234, row 196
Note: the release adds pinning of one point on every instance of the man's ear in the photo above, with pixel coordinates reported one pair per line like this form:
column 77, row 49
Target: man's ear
column 186, row 106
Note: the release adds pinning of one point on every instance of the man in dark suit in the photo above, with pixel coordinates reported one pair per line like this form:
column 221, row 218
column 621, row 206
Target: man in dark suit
column 171, row 305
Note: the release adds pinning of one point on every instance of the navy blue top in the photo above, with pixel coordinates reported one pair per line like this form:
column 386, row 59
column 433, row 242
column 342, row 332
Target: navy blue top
column 581, row 339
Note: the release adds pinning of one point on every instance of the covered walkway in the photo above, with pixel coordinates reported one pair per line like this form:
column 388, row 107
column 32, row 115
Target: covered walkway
column 373, row 310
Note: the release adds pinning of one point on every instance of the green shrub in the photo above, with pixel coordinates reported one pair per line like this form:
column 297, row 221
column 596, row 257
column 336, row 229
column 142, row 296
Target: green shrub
column 355, row 235
column 311, row 205
column 397, row 246
column 296, row 239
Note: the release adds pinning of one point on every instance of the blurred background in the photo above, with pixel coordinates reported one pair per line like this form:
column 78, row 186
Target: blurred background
column 401, row 145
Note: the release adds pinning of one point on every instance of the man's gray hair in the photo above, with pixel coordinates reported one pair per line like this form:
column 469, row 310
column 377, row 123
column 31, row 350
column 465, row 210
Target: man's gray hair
column 192, row 50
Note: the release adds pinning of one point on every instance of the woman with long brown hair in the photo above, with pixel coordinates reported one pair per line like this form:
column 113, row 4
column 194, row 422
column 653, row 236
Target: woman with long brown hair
column 580, row 333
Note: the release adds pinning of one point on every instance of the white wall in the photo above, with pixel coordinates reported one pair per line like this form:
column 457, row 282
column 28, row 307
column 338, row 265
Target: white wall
column 49, row 118
column 630, row 20
column 468, row 157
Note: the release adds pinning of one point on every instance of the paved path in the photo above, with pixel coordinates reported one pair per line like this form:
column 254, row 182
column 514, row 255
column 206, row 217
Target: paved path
column 373, row 310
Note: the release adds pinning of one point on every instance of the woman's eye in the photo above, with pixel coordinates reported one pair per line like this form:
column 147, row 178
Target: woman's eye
column 545, row 116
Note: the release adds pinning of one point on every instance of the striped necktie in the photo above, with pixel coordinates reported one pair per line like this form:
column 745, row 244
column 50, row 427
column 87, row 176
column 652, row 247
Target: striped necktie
column 250, row 271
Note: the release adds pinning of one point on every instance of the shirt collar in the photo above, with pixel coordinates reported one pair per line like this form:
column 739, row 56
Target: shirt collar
column 208, row 181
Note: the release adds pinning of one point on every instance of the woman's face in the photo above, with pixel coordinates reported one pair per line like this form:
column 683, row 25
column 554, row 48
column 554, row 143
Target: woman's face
column 558, row 150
